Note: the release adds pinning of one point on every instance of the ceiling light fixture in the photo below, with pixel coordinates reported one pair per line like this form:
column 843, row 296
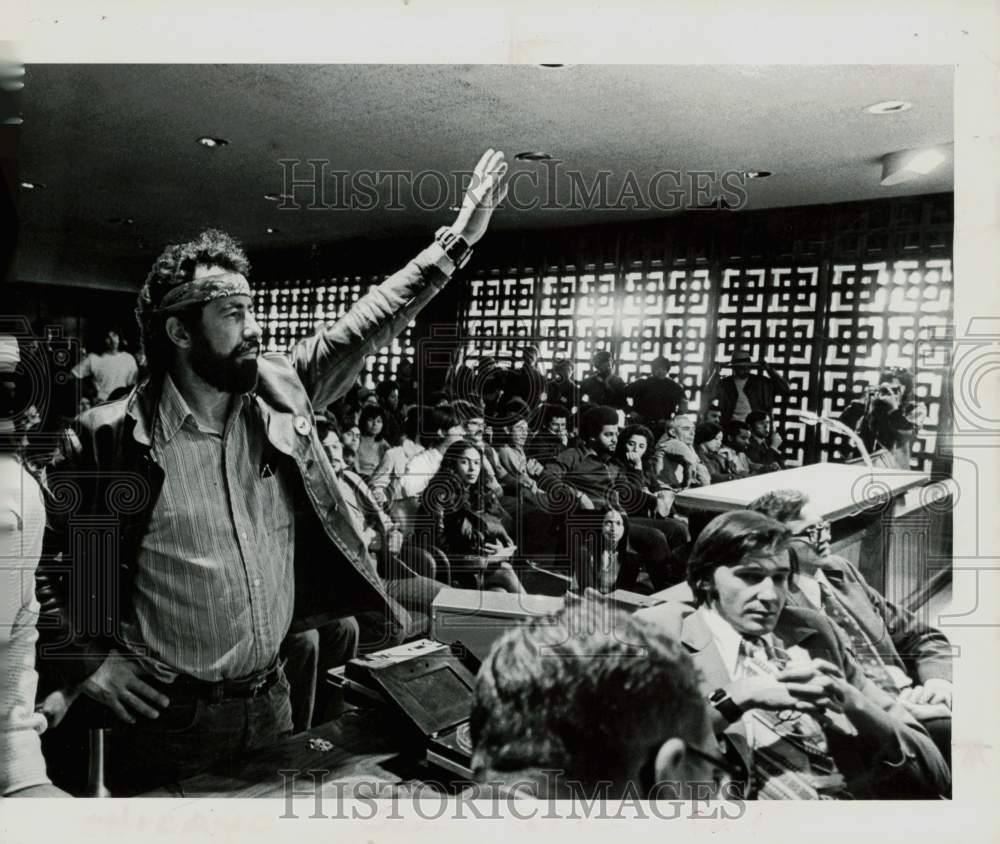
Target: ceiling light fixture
column 272, row 230
column 533, row 156
column 32, row 185
column 212, row 143
column 905, row 165
column 888, row 107
column 756, row 174
column 278, row 197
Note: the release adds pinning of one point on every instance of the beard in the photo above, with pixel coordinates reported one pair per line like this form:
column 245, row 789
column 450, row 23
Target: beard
column 227, row 373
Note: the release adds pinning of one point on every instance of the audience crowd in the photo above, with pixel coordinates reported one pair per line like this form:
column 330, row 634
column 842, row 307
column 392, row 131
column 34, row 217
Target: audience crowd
column 282, row 517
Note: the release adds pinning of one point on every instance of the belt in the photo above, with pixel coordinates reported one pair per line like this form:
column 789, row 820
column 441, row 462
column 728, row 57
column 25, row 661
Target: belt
column 252, row 686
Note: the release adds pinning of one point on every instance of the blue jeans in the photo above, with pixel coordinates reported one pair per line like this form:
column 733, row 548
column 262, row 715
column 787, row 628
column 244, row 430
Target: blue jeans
column 191, row 735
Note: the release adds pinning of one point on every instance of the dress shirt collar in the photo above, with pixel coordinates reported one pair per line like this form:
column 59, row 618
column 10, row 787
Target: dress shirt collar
column 174, row 411
column 727, row 639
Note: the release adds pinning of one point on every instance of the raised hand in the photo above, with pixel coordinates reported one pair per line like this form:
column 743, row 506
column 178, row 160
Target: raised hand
column 486, row 191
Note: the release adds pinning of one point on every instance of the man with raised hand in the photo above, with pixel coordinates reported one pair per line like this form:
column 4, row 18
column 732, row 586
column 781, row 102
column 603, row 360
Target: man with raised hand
column 230, row 521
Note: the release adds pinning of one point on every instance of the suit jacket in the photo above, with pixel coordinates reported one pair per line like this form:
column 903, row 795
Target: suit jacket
column 924, row 772
column 902, row 639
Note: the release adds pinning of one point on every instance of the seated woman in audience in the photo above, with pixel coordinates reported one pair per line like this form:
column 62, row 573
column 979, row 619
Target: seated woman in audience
column 635, row 454
column 602, row 557
column 371, row 447
column 720, row 460
column 461, row 517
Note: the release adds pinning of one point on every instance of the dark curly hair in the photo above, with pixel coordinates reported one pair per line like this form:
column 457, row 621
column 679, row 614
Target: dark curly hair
column 369, row 412
column 176, row 265
column 447, row 490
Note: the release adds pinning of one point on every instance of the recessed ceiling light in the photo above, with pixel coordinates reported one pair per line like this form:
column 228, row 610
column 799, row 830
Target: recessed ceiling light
column 212, row 143
column 533, row 156
column 889, row 107
column 32, row 185
column 278, row 197
column 272, row 230
column 756, row 174
column 905, row 165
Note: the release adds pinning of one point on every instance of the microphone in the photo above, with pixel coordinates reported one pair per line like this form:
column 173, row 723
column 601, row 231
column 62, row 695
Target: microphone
column 838, row 427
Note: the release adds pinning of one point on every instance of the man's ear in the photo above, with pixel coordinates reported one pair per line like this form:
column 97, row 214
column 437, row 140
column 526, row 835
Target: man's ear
column 178, row 333
column 668, row 765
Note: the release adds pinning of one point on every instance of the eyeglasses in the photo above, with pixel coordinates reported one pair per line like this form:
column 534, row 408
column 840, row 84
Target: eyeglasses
column 723, row 771
column 817, row 532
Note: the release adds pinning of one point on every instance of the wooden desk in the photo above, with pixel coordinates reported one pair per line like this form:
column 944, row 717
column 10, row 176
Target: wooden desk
column 367, row 749
column 835, row 489
column 874, row 526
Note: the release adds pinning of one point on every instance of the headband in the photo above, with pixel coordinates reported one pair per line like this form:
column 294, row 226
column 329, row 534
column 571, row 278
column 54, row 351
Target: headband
column 202, row 290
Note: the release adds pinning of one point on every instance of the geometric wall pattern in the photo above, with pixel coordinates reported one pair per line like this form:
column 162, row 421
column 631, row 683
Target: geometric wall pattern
column 870, row 286
column 860, row 287
column 289, row 310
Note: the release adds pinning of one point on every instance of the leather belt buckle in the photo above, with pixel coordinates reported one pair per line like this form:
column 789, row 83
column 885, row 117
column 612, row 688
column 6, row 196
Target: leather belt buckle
column 257, row 687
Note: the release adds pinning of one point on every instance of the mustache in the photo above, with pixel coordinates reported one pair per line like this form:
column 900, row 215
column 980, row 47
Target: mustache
column 245, row 348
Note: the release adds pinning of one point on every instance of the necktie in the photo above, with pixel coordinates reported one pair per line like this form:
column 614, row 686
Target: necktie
column 871, row 660
column 791, row 756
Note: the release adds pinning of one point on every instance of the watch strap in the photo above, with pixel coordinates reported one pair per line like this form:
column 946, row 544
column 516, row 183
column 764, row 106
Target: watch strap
column 725, row 705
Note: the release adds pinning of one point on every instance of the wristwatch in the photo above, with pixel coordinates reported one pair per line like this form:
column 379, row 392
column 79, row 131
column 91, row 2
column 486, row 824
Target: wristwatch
column 456, row 248
column 725, row 705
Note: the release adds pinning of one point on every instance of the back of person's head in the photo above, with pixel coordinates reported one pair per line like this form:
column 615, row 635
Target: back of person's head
column 590, row 693
column 438, row 398
column 706, row 432
column 725, row 541
column 595, row 419
column 465, row 410
column 660, row 365
column 411, row 424
column 176, row 266
column 782, row 505
column 434, row 425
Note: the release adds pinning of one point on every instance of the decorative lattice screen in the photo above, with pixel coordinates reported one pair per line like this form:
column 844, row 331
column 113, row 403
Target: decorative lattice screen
column 869, row 286
column 289, row 310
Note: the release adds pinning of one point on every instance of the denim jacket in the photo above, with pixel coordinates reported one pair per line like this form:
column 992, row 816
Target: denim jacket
column 104, row 484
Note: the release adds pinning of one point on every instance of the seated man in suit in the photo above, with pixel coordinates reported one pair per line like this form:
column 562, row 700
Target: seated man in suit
column 784, row 687
column 901, row 654
column 595, row 703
